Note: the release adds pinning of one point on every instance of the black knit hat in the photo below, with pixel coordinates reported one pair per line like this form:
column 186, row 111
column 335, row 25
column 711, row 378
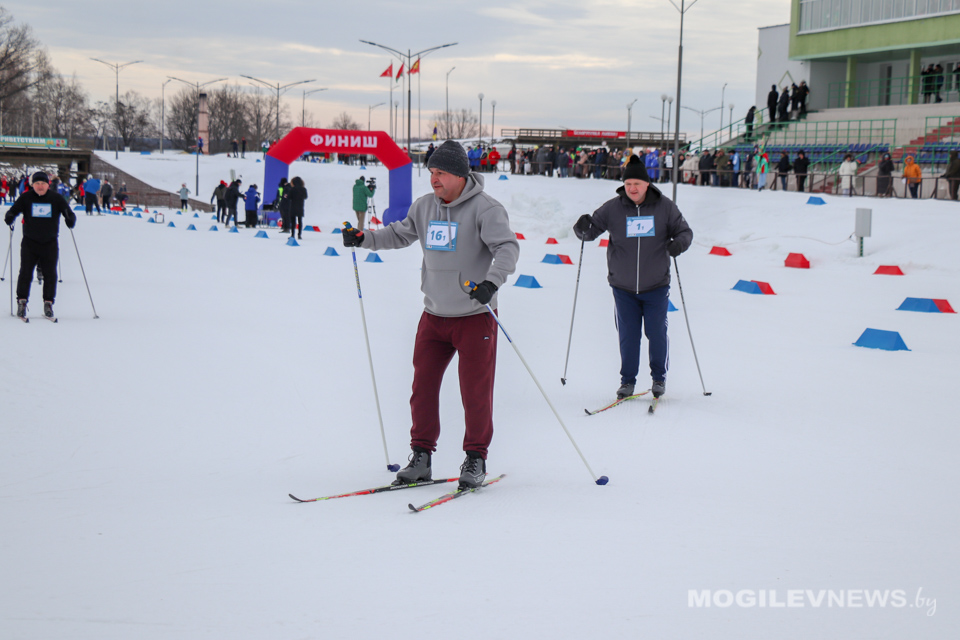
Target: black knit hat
column 635, row 170
column 40, row 176
column 450, row 157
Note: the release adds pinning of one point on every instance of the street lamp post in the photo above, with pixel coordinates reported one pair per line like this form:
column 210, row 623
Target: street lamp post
column 493, row 123
column 163, row 110
column 629, row 117
column 303, row 105
column 683, row 8
column 722, row 91
column 480, row 131
column 278, row 88
column 670, row 102
column 663, row 103
column 702, row 114
column 409, row 60
column 116, row 68
column 447, row 112
column 730, row 122
column 370, row 110
column 198, row 86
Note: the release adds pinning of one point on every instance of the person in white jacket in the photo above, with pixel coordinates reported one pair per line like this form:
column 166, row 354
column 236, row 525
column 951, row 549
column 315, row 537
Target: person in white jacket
column 848, row 169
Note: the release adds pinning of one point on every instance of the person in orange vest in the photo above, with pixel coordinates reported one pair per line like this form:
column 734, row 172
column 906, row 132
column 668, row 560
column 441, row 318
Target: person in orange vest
column 913, row 176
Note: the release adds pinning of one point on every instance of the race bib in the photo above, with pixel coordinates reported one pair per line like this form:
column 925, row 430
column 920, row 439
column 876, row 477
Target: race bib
column 640, row 227
column 442, row 236
column 42, row 210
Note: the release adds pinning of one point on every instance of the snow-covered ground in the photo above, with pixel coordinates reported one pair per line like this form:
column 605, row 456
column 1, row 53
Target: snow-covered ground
column 147, row 456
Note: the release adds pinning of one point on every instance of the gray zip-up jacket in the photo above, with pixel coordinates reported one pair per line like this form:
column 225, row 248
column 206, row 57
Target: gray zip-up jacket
column 485, row 248
column 639, row 263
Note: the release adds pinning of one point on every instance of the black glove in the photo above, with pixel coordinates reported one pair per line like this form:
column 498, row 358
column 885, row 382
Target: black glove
column 483, row 292
column 352, row 237
column 674, row 248
column 583, row 225
column 70, row 225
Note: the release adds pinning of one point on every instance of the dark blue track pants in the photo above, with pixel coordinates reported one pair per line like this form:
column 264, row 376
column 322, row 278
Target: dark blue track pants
column 645, row 311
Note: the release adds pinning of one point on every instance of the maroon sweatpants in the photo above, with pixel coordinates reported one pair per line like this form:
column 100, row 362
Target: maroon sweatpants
column 474, row 338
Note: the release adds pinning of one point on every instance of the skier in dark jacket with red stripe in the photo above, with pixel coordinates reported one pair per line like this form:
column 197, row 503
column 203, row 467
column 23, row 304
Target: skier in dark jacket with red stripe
column 646, row 230
column 41, row 208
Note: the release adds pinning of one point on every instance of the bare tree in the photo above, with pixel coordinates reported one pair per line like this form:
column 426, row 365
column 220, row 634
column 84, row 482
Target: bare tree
column 100, row 116
column 345, row 122
column 260, row 115
column 456, row 125
column 61, row 106
column 228, row 117
column 21, row 58
column 182, row 111
column 132, row 117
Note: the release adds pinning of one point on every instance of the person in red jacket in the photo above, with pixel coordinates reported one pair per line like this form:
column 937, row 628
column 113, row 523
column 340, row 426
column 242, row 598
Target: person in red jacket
column 494, row 159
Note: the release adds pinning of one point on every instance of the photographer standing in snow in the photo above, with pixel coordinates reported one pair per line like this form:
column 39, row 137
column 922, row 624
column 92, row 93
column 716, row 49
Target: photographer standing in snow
column 41, row 209
column 465, row 235
column 646, row 230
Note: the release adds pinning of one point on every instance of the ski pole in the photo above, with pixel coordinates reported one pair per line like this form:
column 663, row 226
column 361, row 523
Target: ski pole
column 9, row 250
column 366, row 337
column 602, row 479
column 10, row 255
column 687, row 319
column 77, row 249
column 576, row 290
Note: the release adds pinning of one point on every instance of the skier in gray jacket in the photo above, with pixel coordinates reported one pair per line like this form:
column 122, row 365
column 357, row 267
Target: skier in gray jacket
column 646, row 230
column 465, row 236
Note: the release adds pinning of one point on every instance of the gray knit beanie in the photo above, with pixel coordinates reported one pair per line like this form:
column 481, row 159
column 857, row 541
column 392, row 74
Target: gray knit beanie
column 450, row 157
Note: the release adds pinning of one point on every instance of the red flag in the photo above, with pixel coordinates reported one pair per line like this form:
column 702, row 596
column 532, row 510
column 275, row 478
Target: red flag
column 400, row 73
column 415, row 68
column 388, row 73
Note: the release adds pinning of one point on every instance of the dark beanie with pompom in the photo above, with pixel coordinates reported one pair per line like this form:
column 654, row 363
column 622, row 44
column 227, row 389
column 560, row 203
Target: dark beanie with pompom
column 635, row 170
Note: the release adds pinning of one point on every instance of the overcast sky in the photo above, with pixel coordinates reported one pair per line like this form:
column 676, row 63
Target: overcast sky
column 548, row 64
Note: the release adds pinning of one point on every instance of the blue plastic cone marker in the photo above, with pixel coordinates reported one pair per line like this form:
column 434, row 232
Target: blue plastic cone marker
column 747, row 287
column 528, row 282
column 552, row 258
column 191, row 228
column 137, row 210
column 291, row 242
column 670, row 306
column 927, row 305
column 337, row 230
column 879, row 339
column 171, row 225
column 330, row 252
column 151, row 220
column 373, row 258
column 138, row 216
column 214, row 218
column 234, row 230
column 815, row 200
column 503, row 177
column 261, row 234
column 214, row 228
column 272, row 223
column 196, row 215
column 79, row 207
column 363, row 168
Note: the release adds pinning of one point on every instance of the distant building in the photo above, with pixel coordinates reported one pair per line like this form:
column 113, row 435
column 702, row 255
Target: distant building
column 864, row 53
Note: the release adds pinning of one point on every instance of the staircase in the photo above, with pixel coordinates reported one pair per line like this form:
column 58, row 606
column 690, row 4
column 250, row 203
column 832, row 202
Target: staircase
column 948, row 130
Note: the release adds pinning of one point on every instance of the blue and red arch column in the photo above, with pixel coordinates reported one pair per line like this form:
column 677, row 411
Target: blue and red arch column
column 376, row 143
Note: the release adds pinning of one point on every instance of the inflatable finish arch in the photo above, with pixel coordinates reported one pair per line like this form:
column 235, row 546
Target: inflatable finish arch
column 376, row 143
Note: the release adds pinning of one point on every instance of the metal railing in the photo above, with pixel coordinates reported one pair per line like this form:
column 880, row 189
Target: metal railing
column 881, row 92
column 867, row 184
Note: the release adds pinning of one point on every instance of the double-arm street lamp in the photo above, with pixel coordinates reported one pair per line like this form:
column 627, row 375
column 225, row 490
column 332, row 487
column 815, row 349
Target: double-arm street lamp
column 303, row 106
column 116, row 68
column 278, row 87
column 408, row 59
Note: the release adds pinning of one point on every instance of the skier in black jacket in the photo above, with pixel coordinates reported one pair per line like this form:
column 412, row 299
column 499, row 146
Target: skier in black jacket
column 297, row 195
column 232, row 197
column 41, row 208
column 646, row 230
